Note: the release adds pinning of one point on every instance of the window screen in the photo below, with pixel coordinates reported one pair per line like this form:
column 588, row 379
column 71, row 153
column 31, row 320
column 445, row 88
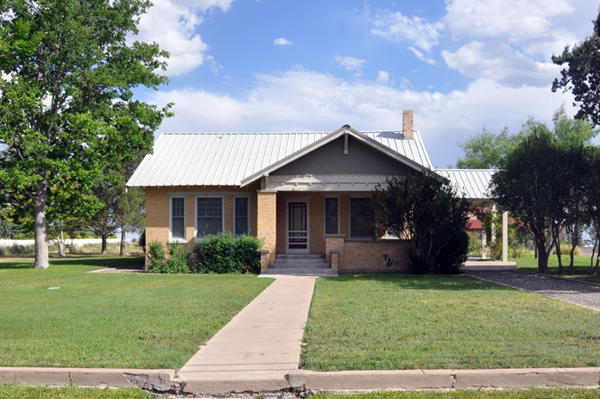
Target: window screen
column 210, row 216
column 362, row 218
column 178, row 218
column 331, row 216
column 242, row 215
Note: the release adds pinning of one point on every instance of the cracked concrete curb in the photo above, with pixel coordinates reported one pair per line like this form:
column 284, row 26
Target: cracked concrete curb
column 152, row 380
column 444, row 379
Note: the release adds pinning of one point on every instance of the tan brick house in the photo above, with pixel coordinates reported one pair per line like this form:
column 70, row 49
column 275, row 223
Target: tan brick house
column 304, row 194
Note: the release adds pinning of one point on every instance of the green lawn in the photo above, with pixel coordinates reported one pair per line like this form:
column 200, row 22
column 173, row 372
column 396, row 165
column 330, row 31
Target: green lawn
column 559, row 393
column 111, row 320
column 379, row 322
column 581, row 266
column 9, row 391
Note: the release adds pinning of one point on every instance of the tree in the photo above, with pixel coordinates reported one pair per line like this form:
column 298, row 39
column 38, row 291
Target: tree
column 425, row 209
column 534, row 185
column 582, row 76
column 486, row 150
column 66, row 106
column 591, row 197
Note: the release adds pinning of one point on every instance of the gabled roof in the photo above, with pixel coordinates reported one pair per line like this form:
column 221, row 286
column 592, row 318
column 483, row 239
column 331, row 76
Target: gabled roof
column 328, row 139
column 473, row 183
column 225, row 159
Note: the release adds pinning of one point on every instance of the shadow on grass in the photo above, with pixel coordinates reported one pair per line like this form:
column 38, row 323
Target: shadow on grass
column 422, row 282
column 128, row 262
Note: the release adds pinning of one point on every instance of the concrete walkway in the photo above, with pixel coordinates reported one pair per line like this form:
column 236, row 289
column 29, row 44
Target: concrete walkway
column 258, row 347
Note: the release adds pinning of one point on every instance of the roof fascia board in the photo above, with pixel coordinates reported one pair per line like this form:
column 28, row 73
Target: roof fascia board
column 327, row 139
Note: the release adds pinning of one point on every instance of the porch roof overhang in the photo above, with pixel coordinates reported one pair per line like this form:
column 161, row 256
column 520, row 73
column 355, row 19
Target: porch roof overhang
column 345, row 130
column 325, row 183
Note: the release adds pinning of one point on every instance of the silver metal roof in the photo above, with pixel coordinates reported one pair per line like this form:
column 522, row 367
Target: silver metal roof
column 225, row 159
column 474, row 183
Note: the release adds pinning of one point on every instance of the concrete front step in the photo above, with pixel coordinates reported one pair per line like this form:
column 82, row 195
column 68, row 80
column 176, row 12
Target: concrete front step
column 297, row 265
column 300, row 263
column 300, row 256
column 301, row 272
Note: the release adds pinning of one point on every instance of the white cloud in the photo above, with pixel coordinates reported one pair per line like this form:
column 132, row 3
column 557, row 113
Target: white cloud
column 383, row 77
column 422, row 57
column 350, row 64
column 516, row 20
column 172, row 24
column 501, row 63
column 398, row 27
column 281, row 42
column 301, row 100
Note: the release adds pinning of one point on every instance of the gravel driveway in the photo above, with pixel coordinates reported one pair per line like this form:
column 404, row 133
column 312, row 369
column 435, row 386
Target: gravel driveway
column 566, row 290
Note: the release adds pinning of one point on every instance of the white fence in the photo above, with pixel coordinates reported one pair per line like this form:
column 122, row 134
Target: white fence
column 78, row 241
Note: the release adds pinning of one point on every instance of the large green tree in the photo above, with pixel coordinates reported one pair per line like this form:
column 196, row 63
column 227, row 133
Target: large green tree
column 582, row 75
column 67, row 108
column 536, row 186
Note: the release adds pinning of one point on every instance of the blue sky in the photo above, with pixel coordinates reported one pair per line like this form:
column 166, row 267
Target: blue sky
column 282, row 65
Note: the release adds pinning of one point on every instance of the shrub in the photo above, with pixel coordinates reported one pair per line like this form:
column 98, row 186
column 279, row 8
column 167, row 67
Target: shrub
column 142, row 240
column 17, row 249
column 178, row 259
column 156, row 253
column 565, row 249
column 453, row 255
column 225, row 253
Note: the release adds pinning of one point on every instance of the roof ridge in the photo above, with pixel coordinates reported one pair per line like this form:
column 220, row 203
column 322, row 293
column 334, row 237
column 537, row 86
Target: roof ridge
column 250, row 133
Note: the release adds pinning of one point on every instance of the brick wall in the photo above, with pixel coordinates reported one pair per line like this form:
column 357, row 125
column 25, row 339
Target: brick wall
column 157, row 210
column 267, row 226
column 367, row 257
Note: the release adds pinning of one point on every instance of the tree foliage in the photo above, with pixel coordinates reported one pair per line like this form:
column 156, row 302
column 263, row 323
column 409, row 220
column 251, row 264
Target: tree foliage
column 536, row 186
column 486, row 150
column 67, row 108
column 424, row 209
column 582, row 75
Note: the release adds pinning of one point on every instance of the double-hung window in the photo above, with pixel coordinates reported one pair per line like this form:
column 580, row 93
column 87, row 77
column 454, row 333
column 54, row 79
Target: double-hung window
column 177, row 218
column 362, row 218
column 241, row 215
column 332, row 215
column 209, row 216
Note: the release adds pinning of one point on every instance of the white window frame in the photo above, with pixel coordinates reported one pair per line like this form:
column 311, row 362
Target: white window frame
column 350, row 218
column 234, row 214
column 171, row 238
column 339, row 227
column 196, row 238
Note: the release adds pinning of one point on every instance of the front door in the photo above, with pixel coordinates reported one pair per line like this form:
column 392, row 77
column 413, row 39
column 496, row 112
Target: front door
column 296, row 227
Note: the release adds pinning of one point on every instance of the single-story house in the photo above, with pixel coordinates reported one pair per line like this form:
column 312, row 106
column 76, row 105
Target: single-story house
column 305, row 194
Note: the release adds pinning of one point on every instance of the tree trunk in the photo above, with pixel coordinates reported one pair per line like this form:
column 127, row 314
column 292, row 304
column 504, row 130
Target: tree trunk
column 61, row 243
column 593, row 252
column 561, row 270
column 104, row 238
column 39, row 227
column 123, row 235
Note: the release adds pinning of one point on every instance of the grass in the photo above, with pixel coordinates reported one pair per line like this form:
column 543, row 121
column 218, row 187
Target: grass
column 10, row 391
column 111, row 320
column 379, row 322
column 581, row 266
column 535, row 393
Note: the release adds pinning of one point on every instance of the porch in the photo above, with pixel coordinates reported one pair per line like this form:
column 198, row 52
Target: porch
column 333, row 226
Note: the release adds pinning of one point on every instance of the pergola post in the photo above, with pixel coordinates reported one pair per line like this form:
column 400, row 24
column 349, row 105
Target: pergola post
column 483, row 244
column 505, row 236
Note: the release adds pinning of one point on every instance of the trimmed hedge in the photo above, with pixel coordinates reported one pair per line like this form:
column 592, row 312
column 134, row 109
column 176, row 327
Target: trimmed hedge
column 177, row 262
column 226, row 253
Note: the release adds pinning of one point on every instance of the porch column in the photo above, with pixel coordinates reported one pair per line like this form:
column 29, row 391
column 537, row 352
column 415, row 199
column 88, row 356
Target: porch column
column 483, row 244
column 505, row 236
column 266, row 228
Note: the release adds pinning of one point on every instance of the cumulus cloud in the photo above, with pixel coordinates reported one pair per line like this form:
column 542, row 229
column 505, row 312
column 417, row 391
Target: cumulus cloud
column 516, row 20
column 398, row 27
column 281, row 42
column 422, row 57
column 383, row 77
column 350, row 64
column 172, row 24
column 303, row 100
column 499, row 62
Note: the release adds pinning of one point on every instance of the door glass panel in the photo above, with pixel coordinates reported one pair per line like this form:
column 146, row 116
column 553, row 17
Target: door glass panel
column 297, row 225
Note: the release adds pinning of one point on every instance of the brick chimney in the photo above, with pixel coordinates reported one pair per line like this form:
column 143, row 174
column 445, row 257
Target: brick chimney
column 407, row 124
